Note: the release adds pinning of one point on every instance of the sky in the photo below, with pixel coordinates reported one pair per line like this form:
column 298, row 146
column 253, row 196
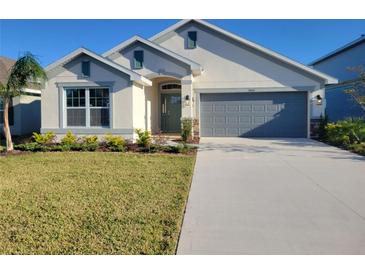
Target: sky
column 49, row 40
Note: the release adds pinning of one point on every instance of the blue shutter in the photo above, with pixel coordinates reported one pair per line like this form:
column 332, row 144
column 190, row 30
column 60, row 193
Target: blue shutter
column 86, row 68
column 138, row 59
column 192, row 38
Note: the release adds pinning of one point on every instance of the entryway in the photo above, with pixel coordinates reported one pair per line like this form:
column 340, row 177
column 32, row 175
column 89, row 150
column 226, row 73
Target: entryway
column 170, row 112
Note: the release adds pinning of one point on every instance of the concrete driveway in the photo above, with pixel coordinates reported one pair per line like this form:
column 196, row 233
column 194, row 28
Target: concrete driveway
column 275, row 196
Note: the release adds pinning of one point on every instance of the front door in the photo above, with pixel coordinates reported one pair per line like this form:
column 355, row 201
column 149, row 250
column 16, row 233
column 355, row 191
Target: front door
column 170, row 112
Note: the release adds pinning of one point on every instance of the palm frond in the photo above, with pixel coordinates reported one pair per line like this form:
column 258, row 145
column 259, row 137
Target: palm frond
column 25, row 70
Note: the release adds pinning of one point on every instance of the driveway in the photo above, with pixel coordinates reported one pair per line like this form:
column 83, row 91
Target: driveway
column 274, row 196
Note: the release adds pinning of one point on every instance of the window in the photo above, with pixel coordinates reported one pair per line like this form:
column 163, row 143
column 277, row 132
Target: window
column 85, row 68
column 76, row 107
column 99, row 107
column 87, row 107
column 192, row 38
column 169, row 86
column 138, row 59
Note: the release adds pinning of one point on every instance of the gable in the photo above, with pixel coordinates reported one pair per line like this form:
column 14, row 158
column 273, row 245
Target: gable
column 58, row 65
column 98, row 70
column 338, row 64
column 218, row 48
column 155, row 62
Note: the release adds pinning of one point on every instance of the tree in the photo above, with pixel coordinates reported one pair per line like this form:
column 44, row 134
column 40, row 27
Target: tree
column 357, row 91
column 25, row 71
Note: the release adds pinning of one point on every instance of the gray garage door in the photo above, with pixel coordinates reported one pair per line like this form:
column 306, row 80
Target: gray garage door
column 267, row 114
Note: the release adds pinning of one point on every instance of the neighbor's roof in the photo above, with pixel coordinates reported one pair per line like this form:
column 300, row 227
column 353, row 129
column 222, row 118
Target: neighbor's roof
column 339, row 50
column 133, row 75
column 5, row 68
column 195, row 67
column 329, row 79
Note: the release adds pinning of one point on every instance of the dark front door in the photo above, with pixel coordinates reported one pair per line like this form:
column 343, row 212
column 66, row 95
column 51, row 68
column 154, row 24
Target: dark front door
column 170, row 112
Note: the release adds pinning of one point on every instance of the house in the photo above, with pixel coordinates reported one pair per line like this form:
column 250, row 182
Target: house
column 25, row 110
column 338, row 63
column 193, row 69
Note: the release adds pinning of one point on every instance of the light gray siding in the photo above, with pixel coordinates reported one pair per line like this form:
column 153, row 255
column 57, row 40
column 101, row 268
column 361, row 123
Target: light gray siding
column 338, row 64
column 27, row 115
column 340, row 105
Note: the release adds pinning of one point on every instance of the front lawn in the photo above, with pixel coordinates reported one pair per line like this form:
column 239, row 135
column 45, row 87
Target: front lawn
column 92, row 202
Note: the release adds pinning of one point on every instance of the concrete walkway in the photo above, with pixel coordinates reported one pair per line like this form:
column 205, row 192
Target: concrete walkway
column 275, row 196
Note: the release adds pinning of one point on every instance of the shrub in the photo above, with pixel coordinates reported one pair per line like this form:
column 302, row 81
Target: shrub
column 69, row 139
column 59, row 148
column 2, row 149
column 90, row 143
column 186, row 129
column 144, row 138
column 43, row 139
column 90, row 140
column 346, row 132
column 33, row 147
column 358, row 148
column 156, row 148
column 179, row 148
column 114, row 143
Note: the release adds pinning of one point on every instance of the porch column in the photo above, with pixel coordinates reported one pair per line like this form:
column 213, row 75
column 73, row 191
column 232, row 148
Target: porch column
column 187, row 97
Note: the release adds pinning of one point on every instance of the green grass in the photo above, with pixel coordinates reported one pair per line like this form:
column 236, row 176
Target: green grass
column 92, row 203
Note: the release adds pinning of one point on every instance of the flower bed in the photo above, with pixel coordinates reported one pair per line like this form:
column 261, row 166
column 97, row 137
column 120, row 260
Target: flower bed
column 109, row 143
column 346, row 134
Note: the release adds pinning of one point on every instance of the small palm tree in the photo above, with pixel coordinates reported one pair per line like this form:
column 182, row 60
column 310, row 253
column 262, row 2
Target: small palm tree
column 25, row 71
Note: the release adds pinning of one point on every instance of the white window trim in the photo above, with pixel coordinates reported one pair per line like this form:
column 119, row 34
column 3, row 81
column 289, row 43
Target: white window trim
column 87, row 108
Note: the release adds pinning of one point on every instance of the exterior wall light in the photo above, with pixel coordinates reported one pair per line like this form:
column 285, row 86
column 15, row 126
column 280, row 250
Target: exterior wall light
column 187, row 100
column 319, row 99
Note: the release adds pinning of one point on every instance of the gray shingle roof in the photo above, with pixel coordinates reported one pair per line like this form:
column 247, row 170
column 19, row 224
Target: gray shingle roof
column 5, row 67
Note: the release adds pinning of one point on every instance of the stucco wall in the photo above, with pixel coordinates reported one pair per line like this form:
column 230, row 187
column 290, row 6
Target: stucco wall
column 27, row 115
column 30, row 114
column 139, row 107
column 337, row 66
column 155, row 62
column 230, row 65
column 69, row 75
column 152, row 106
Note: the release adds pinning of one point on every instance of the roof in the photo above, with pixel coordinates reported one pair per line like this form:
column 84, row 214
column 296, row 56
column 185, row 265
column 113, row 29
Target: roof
column 328, row 79
column 339, row 50
column 133, row 75
column 5, row 67
column 195, row 67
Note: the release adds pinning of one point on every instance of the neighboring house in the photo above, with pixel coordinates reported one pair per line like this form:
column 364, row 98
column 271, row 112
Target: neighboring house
column 193, row 69
column 338, row 63
column 25, row 110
